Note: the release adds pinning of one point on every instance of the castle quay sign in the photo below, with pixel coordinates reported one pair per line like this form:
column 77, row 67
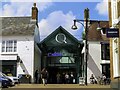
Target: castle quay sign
column 54, row 54
column 61, row 38
column 112, row 32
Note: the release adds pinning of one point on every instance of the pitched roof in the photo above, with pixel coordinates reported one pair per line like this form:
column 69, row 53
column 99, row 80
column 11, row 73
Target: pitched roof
column 58, row 30
column 94, row 34
column 13, row 26
column 50, row 43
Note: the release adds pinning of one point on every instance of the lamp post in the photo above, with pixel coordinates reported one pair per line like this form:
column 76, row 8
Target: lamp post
column 86, row 16
column 86, row 12
column 74, row 27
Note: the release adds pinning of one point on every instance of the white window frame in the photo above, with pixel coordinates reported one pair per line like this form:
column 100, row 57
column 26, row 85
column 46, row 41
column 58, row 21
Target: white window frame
column 9, row 46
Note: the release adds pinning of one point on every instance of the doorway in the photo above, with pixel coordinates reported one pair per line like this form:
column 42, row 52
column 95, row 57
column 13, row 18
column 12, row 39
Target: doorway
column 106, row 70
column 53, row 71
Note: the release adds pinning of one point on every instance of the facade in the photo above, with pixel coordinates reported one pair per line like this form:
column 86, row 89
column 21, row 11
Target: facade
column 61, row 53
column 98, row 51
column 18, row 47
column 114, row 22
column 21, row 51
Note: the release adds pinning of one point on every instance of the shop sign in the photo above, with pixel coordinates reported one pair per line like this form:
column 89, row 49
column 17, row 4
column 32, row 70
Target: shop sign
column 112, row 32
column 54, row 54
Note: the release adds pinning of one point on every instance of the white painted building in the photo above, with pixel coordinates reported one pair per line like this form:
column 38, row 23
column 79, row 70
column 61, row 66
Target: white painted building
column 19, row 52
column 98, row 52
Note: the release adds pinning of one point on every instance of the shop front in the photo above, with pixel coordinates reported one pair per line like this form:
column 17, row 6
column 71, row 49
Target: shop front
column 9, row 67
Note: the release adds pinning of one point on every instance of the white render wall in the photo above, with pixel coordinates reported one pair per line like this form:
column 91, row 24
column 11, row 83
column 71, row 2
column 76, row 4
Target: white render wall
column 37, row 53
column 26, row 53
column 94, row 60
column 37, row 59
column 25, row 49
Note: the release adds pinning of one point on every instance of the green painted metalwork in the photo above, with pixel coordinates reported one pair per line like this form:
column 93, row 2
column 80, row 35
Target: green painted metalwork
column 63, row 54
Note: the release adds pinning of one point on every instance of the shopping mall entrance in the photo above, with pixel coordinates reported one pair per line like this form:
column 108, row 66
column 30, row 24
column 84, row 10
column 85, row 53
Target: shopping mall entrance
column 61, row 53
column 53, row 71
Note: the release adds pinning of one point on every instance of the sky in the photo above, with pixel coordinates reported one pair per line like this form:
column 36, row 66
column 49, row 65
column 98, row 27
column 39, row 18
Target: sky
column 55, row 13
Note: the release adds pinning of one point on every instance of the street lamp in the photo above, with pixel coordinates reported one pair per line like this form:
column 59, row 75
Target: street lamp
column 74, row 27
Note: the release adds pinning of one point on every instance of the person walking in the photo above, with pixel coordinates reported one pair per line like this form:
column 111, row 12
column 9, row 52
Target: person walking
column 44, row 76
column 71, row 78
column 58, row 76
column 67, row 78
column 36, row 76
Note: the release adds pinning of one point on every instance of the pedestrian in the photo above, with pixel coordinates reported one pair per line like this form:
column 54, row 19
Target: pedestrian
column 99, row 80
column 67, row 78
column 44, row 76
column 63, row 78
column 58, row 76
column 92, row 79
column 71, row 78
column 104, row 79
column 36, row 76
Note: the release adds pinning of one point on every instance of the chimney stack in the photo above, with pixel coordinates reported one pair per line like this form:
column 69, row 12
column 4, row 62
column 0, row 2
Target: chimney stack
column 35, row 12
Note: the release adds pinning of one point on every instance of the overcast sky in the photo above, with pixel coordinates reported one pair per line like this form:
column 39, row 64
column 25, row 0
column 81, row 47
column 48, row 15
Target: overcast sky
column 55, row 13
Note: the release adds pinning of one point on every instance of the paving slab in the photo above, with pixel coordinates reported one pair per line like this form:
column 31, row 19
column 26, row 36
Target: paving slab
column 60, row 86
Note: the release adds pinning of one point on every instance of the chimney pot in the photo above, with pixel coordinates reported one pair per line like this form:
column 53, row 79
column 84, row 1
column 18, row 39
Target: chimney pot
column 35, row 12
column 34, row 4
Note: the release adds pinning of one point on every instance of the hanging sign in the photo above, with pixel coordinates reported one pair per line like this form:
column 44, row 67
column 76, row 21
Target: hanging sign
column 112, row 32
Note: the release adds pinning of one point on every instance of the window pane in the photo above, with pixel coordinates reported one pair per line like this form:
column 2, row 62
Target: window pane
column 105, row 51
column 10, row 49
column 3, row 43
column 3, row 49
column 3, row 46
column 7, row 49
column 15, row 46
column 15, row 49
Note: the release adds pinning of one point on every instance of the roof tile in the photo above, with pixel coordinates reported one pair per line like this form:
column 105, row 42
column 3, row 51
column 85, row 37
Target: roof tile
column 17, row 26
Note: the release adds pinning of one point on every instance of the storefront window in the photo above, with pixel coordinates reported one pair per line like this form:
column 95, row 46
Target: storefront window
column 9, row 67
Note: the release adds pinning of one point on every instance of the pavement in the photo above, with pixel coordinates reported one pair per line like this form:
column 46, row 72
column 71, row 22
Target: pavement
column 60, row 86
